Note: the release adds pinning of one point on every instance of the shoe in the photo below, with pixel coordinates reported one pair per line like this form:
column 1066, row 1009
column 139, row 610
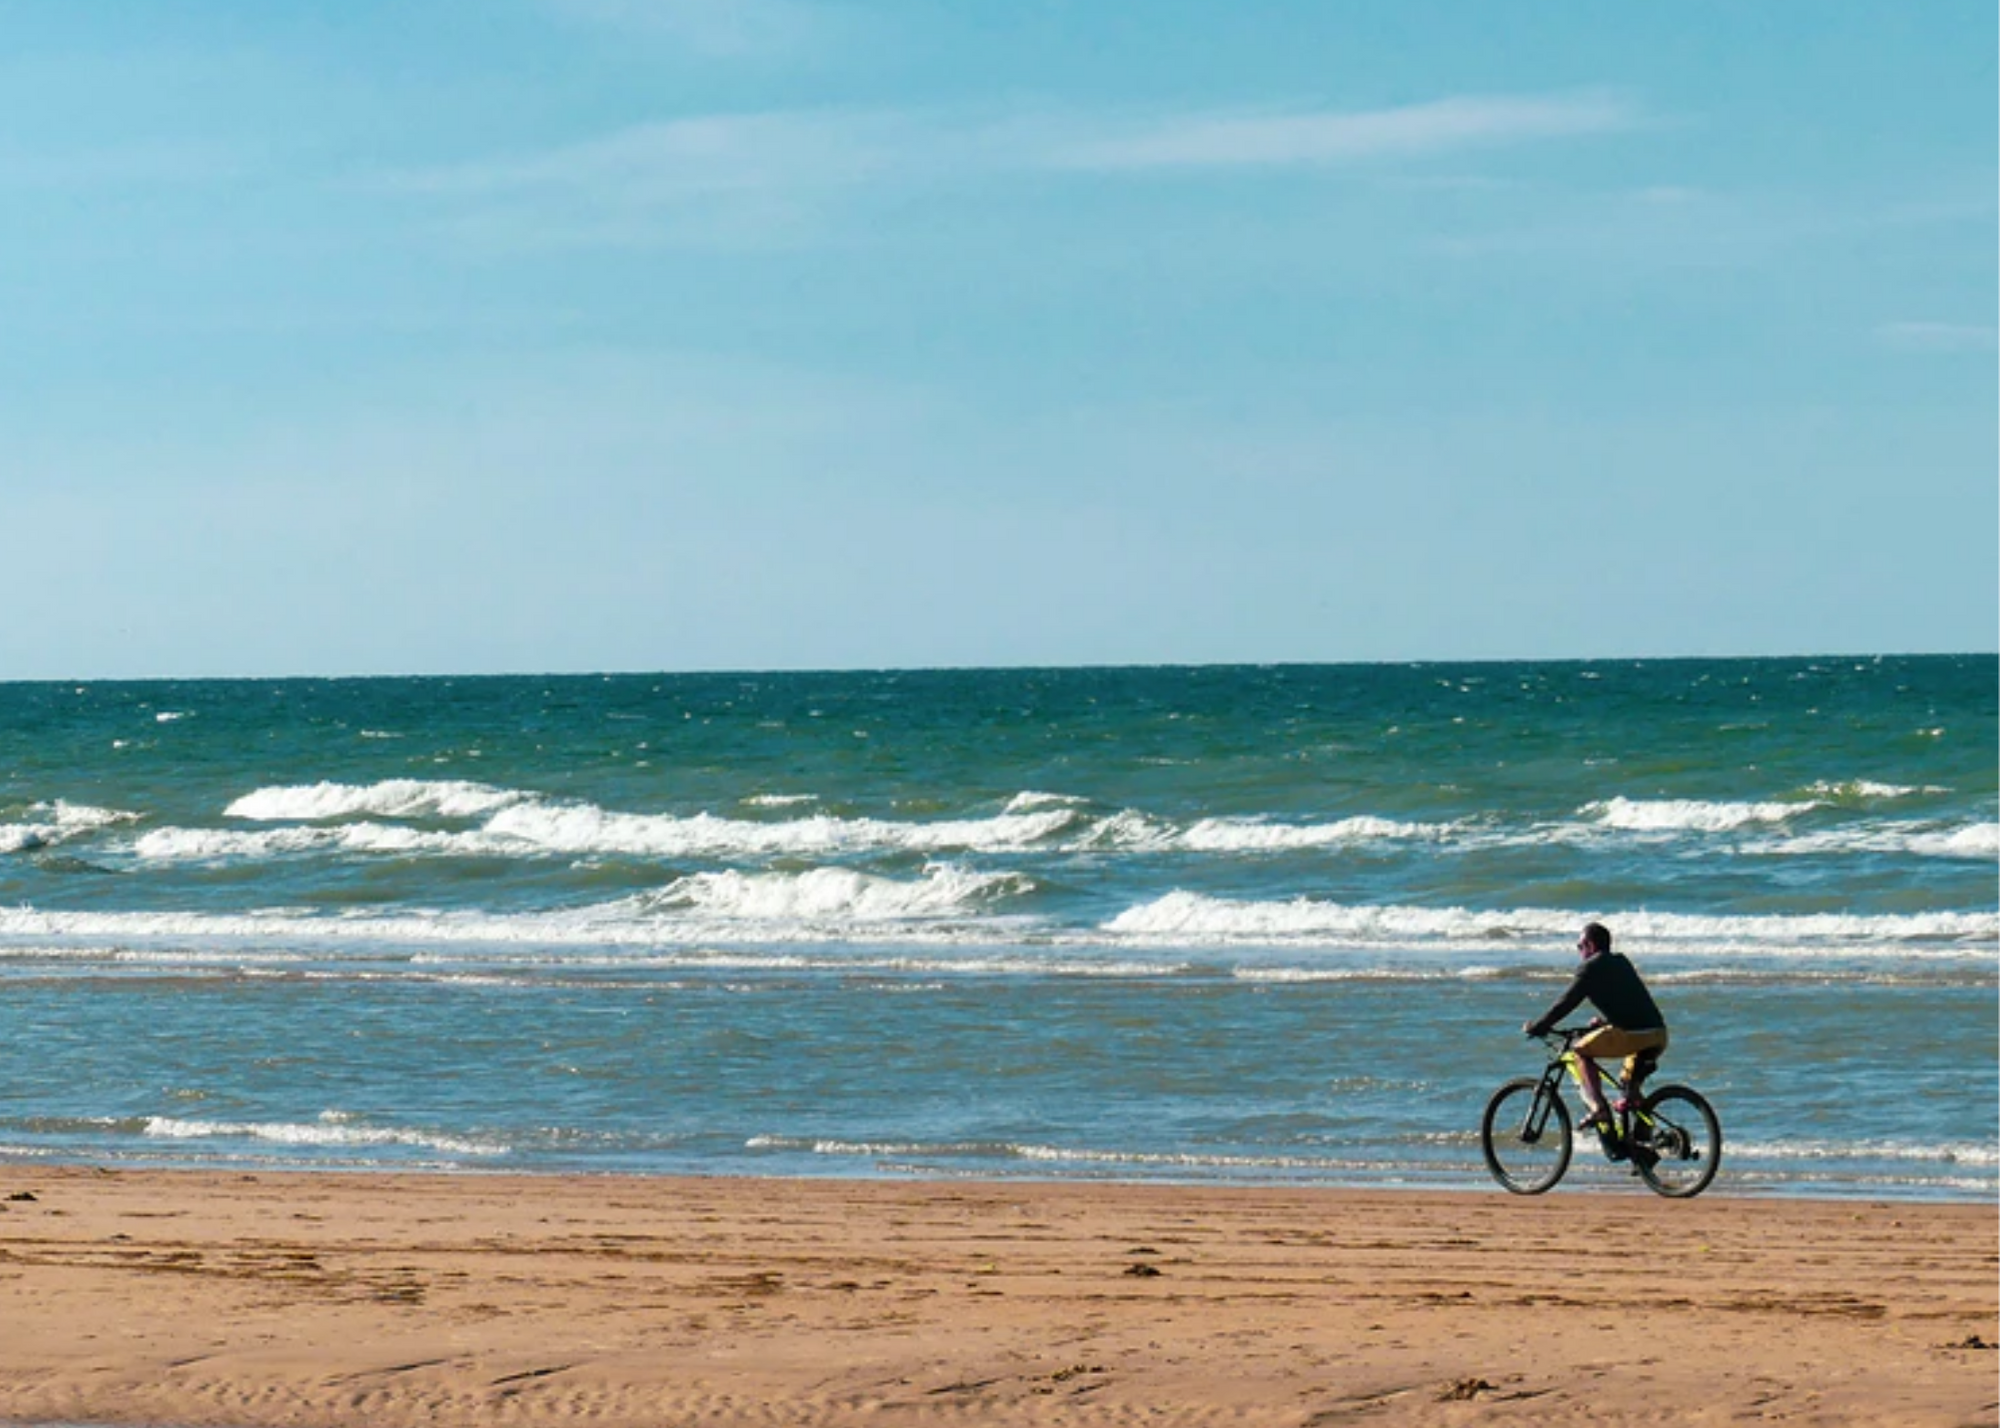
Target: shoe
column 1607, row 1136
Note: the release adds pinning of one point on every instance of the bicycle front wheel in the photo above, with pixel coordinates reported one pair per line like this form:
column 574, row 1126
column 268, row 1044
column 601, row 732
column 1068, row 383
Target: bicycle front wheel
column 1525, row 1137
column 1677, row 1142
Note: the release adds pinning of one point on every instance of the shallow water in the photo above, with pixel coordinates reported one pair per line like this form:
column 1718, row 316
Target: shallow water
column 1216, row 924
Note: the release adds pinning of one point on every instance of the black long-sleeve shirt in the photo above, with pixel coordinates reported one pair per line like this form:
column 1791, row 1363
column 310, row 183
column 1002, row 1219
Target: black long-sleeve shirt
column 1611, row 984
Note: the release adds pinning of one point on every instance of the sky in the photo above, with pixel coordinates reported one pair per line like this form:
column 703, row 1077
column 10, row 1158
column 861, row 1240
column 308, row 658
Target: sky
column 357, row 337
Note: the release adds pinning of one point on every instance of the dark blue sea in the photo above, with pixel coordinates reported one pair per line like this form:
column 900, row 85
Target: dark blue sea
column 1273, row 924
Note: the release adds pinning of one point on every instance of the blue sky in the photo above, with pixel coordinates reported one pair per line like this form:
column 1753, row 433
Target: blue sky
column 686, row 334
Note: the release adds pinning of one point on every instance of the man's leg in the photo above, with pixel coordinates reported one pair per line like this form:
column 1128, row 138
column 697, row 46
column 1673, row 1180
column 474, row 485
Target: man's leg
column 1593, row 1090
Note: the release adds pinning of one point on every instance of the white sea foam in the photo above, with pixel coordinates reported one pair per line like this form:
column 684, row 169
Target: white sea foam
column 1024, row 1150
column 391, row 798
column 1236, row 835
column 839, row 895
column 331, row 1129
column 1861, row 788
column 82, row 817
column 1301, row 975
column 56, row 822
column 1128, row 830
column 1959, row 1152
column 24, row 837
column 1688, row 815
column 1197, row 917
column 950, row 908
column 1977, row 841
column 210, row 845
column 587, row 829
column 1028, row 800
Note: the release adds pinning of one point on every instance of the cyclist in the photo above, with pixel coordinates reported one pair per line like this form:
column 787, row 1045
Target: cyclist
column 1629, row 1024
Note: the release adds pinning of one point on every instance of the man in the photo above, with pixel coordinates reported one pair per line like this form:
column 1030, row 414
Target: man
column 1628, row 1023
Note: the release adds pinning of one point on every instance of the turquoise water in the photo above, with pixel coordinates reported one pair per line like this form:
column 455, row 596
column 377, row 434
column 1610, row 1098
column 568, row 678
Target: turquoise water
column 1270, row 924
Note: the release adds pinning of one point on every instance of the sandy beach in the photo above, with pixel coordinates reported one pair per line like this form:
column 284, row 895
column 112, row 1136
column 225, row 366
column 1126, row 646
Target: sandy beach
column 314, row 1299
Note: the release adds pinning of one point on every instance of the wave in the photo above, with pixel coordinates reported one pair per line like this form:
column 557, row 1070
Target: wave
column 509, row 823
column 1197, row 917
column 1962, row 1152
column 55, row 822
column 1858, row 789
column 1045, row 1154
column 1238, row 835
column 1678, row 815
column 838, row 895
column 391, row 798
column 955, row 908
column 210, row 845
column 1029, row 800
column 583, row 829
column 1974, row 841
column 531, row 830
column 333, row 1129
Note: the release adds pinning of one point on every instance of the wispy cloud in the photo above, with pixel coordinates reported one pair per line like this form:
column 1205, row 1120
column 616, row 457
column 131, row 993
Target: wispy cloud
column 705, row 154
column 1939, row 336
column 786, row 164
column 1319, row 137
column 744, row 179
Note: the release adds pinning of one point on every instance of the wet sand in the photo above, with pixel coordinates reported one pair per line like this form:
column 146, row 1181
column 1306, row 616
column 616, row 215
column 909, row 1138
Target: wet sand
column 311, row 1299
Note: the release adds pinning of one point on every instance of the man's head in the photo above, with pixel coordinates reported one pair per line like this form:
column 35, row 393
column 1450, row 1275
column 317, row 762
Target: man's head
column 1596, row 938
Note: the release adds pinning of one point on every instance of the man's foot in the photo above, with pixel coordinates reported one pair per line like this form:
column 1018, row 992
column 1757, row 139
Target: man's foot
column 1607, row 1135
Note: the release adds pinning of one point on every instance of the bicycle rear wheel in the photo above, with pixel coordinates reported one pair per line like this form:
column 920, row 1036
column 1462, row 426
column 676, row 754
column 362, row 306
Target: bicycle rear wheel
column 1677, row 1142
column 1525, row 1137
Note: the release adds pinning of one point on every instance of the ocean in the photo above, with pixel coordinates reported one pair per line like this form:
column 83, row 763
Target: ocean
column 1261, row 924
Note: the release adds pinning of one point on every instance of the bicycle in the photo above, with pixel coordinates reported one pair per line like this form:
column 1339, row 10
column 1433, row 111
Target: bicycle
column 1671, row 1138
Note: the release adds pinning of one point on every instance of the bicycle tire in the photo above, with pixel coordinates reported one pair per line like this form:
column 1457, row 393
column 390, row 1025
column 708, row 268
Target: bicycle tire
column 1677, row 1142
column 1524, row 1157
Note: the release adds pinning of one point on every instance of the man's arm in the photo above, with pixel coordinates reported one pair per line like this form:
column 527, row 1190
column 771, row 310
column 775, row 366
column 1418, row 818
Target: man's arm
column 1564, row 1005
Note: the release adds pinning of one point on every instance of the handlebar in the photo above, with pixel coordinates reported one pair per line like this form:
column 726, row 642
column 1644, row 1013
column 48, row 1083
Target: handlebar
column 1563, row 1034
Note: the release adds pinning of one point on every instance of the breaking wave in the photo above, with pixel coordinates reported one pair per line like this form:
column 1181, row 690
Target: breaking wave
column 839, row 895
column 1677, row 815
column 57, row 821
column 392, row 798
column 333, row 1129
column 1197, row 917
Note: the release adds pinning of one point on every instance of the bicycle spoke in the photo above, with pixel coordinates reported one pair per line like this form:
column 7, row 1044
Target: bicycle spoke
column 1678, row 1141
column 1525, row 1138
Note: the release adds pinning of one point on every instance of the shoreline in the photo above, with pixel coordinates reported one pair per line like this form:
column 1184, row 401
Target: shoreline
column 330, row 1298
column 1587, row 1176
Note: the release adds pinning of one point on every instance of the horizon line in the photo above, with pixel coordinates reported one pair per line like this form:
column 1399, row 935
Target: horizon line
column 1028, row 667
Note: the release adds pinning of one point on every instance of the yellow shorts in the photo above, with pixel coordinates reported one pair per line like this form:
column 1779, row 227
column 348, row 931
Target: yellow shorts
column 1609, row 1041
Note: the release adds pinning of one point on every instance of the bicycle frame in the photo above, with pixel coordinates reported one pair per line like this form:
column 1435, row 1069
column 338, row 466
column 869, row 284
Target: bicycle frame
column 1624, row 1107
column 1672, row 1138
